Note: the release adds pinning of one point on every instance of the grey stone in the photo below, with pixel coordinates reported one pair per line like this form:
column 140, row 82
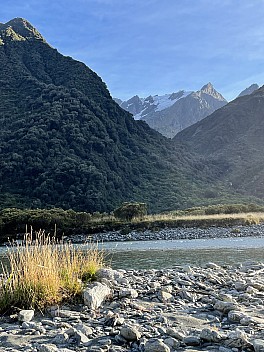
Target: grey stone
column 129, row 292
column 225, row 307
column 60, row 339
column 192, row 341
column 156, row 345
column 258, row 345
column 47, row 348
column 109, row 274
column 165, row 296
column 235, row 315
column 210, row 335
column 240, row 285
column 80, row 338
column 95, row 294
column 237, row 339
column 172, row 342
column 175, row 333
column 86, row 330
column 25, row 315
column 130, row 333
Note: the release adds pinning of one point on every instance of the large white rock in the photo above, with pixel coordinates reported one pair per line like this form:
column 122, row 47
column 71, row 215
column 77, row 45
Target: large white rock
column 95, row 294
column 25, row 315
column 109, row 274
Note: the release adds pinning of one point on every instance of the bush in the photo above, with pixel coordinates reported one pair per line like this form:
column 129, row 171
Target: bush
column 43, row 273
column 128, row 211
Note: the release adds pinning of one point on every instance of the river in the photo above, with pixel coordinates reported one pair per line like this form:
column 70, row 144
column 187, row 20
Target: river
column 168, row 253
column 164, row 254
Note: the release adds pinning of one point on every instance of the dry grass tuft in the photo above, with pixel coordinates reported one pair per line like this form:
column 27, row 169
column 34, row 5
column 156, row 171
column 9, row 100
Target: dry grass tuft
column 44, row 272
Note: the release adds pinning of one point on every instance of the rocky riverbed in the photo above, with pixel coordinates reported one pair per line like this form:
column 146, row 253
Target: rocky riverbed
column 172, row 234
column 210, row 308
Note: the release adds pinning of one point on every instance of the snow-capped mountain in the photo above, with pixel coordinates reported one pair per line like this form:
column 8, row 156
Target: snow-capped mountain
column 171, row 113
column 249, row 90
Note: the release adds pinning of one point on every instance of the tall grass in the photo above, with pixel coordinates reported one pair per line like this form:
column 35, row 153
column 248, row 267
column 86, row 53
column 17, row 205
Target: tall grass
column 43, row 272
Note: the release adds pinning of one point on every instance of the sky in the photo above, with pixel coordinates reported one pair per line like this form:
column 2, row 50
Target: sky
column 149, row 47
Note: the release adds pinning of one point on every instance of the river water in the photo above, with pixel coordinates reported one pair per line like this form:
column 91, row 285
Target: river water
column 168, row 253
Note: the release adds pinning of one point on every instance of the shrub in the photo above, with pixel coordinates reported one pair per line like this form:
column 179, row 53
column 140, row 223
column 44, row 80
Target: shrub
column 44, row 272
column 128, row 211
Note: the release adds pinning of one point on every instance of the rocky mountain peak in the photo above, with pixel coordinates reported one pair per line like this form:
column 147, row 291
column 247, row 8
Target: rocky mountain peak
column 209, row 89
column 19, row 29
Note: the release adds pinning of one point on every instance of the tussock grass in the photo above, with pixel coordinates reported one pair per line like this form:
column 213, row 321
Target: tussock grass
column 247, row 217
column 44, row 272
column 201, row 220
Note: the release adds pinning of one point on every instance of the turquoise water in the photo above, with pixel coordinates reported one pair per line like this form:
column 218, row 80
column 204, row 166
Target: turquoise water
column 165, row 254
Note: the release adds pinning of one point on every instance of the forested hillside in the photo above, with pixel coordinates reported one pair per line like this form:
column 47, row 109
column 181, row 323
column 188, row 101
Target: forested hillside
column 64, row 142
column 234, row 136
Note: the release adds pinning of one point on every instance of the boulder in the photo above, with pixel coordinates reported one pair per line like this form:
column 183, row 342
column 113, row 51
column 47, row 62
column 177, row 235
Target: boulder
column 237, row 339
column 224, row 307
column 130, row 333
column 156, row 345
column 165, row 296
column 235, row 316
column 192, row 341
column 95, row 294
column 25, row 315
column 210, row 335
column 129, row 292
column 109, row 274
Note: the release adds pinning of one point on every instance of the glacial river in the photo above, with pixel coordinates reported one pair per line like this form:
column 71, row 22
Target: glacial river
column 165, row 254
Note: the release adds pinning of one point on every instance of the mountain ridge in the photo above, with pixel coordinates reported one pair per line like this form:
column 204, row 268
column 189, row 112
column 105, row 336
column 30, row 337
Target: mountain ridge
column 249, row 90
column 234, row 135
column 171, row 113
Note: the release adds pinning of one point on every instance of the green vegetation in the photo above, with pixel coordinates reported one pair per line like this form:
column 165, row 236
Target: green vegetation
column 41, row 273
column 128, row 211
column 68, row 222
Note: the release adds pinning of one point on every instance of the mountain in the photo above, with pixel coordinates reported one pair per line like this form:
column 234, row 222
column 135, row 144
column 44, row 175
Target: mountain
column 249, row 90
column 64, row 142
column 233, row 136
column 171, row 113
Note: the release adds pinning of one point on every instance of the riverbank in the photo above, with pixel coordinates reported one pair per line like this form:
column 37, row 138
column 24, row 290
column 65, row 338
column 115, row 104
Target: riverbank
column 209, row 308
column 14, row 223
column 180, row 233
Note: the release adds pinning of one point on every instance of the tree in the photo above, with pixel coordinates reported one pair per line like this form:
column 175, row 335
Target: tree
column 128, row 211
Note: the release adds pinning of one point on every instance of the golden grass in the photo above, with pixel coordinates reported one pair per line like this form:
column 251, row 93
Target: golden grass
column 44, row 272
column 246, row 217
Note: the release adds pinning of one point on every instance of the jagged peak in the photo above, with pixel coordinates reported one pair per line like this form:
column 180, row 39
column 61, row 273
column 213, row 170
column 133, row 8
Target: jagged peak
column 207, row 86
column 210, row 90
column 20, row 29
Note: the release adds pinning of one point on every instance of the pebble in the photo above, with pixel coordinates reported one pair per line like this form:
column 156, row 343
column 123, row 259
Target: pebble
column 173, row 234
column 206, row 308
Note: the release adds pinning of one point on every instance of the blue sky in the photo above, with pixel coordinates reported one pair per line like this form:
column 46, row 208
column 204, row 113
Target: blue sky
column 155, row 46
